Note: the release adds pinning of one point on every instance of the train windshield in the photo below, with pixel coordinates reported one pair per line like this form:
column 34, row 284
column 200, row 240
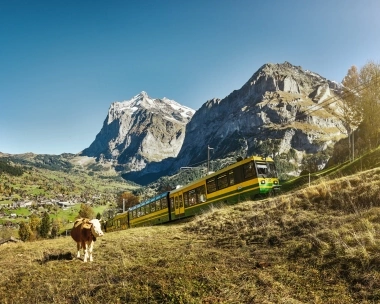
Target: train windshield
column 266, row 169
column 262, row 169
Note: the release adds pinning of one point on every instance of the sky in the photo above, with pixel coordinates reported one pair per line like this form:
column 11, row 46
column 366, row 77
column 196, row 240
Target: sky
column 63, row 62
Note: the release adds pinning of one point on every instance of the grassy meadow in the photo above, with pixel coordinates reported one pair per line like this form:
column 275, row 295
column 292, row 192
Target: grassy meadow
column 318, row 244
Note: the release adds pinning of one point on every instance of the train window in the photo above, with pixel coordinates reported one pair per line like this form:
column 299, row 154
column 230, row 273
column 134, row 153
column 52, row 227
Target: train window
column 231, row 177
column 172, row 204
column 186, row 199
column 176, row 202
column 147, row 209
column 134, row 213
column 164, row 203
column 192, row 197
column 222, row 181
column 249, row 170
column 272, row 170
column 158, row 205
column 201, row 194
column 262, row 168
column 180, row 201
column 211, row 185
column 238, row 174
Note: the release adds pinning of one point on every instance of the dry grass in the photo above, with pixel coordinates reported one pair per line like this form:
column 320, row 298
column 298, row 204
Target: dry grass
column 317, row 245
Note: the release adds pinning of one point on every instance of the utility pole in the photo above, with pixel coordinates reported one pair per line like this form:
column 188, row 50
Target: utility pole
column 208, row 158
column 353, row 150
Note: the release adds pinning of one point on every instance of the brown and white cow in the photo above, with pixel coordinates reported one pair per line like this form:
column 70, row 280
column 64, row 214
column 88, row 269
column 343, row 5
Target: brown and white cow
column 85, row 232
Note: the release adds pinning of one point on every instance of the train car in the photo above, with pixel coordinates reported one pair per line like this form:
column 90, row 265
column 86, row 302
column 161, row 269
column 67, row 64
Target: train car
column 153, row 211
column 118, row 222
column 247, row 179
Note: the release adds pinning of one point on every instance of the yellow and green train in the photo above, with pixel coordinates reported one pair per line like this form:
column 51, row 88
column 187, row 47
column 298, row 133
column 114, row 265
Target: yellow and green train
column 246, row 179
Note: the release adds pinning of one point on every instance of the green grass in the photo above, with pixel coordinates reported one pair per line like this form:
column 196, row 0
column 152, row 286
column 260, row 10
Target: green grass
column 365, row 162
column 49, row 184
column 318, row 244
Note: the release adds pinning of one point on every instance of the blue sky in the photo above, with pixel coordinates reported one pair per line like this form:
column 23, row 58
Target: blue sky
column 62, row 63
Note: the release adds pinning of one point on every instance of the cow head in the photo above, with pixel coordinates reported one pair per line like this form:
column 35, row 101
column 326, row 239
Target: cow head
column 96, row 228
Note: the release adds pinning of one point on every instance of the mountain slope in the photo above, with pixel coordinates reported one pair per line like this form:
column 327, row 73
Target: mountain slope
column 269, row 105
column 140, row 131
column 317, row 245
column 281, row 110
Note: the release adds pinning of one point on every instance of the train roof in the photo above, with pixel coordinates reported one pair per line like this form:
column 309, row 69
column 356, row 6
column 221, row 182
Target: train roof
column 152, row 199
column 229, row 167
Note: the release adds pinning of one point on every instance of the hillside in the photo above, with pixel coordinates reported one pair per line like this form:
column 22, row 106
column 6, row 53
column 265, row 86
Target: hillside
column 367, row 161
column 282, row 110
column 319, row 244
column 28, row 186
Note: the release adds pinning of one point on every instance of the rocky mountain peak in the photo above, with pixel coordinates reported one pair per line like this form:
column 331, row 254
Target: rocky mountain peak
column 141, row 130
column 281, row 110
column 282, row 107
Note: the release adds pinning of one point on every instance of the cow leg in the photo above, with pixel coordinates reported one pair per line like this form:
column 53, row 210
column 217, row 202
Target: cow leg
column 85, row 252
column 90, row 250
column 78, row 250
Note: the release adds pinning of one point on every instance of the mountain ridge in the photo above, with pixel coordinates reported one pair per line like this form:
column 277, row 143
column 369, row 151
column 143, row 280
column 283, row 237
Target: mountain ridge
column 133, row 125
column 282, row 110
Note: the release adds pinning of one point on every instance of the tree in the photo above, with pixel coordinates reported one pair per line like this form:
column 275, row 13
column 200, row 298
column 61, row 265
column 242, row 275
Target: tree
column 370, row 99
column 362, row 98
column 34, row 224
column 86, row 211
column 129, row 200
column 352, row 111
column 55, row 227
column 24, row 231
column 44, row 228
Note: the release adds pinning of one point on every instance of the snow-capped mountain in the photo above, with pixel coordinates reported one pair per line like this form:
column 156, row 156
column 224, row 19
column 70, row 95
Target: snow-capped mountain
column 281, row 110
column 140, row 131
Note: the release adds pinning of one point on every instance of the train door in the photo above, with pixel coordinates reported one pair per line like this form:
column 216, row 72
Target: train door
column 178, row 204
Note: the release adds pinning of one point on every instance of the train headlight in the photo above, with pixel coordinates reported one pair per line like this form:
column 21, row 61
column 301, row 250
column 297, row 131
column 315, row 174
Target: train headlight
column 263, row 181
column 275, row 182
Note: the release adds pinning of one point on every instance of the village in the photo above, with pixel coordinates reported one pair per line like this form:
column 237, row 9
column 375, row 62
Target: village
column 12, row 212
